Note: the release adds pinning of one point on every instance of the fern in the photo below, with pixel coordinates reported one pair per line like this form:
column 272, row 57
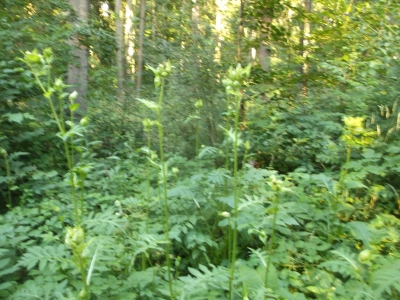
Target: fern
column 347, row 264
column 44, row 288
column 360, row 231
column 200, row 282
column 356, row 290
column 387, row 279
column 218, row 176
column 47, row 256
column 104, row 222
column 206, row 151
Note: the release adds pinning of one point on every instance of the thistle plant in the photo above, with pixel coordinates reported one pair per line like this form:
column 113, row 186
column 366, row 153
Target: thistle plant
column 355, row 136
column 40, row 66
column 233, row 83
column 161, row 73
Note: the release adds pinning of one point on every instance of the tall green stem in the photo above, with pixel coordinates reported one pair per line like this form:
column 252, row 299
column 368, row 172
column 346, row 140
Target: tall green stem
column 8, row 180
column 61, row 128
column 234, row 232
column 144, row 258
column 164, row 183
column 75, row 237
column 271, row 242
column 343, row 175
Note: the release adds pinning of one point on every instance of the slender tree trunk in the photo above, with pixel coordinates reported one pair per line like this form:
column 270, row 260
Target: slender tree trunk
column 239, row 58
column 119, row 37
column 77, row 74
column 240, row 32
column 289, row 33
column 129, row 38
column 264, row 50
column 195, row 22
column 219, row 4
column 153, row 20
column 140, row 47
column 304, row 41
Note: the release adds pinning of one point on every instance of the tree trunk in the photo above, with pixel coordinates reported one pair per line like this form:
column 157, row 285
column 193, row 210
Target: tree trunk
column 119, row 37
column 129, row 38
column 218, row 28
column 239, row 59
column 264, row 50
column 304, row 41
column 77, row 74
column 240, row 32
column 195, row 22
column 140, row 47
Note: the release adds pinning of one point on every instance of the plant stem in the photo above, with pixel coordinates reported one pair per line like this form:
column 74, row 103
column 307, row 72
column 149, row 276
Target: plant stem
column 8, row 173
column 197, row 146
column 62, row 130
column 164, row 183
column 144, row 258
column 83, row 275
column 271, row 242
column 238, row 99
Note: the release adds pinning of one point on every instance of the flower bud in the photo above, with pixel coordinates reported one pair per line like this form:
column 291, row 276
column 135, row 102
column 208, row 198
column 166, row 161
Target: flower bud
column 247, row 145
column 74, row 236
column 58, row 83
column 48, row 53
column 3, row 152
column 199, row 104
column 225, row 214
column 157, row 81
column 84, row 121
column 364, row 256
column 83, row 294
column 33, row 57
column 73, row 96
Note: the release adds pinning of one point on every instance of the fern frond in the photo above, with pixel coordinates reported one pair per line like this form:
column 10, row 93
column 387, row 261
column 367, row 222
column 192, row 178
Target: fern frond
column 360, row 231
column 104, row 222
column 347, row 264
column 387, row 279
column 47, row 256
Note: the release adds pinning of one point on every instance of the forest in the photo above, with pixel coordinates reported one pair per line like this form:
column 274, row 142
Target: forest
column 199, row 149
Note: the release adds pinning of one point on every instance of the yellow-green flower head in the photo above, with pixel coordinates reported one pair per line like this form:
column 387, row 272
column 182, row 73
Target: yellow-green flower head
column 199, row 104
column 354, row 124
column 74, row 236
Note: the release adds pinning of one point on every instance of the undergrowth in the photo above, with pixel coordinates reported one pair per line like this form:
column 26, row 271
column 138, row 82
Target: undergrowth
column 148, row 224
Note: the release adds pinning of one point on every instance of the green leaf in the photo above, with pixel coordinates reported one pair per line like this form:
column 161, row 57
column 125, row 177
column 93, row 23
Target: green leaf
column 360, row 231
column 73, row 107
column 387, row 278
column 16, row 118
column 6, row 285
column 149, row 104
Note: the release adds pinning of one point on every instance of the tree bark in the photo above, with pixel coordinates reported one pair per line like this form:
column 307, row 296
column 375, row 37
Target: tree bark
column 129, row 38
column 304, row 41
column 220, row 5
column 119, row 37
column 239, row 59
column 240, row 32
column 140, row 47
column 264, row 50
column 77, row 74
column 195, row 22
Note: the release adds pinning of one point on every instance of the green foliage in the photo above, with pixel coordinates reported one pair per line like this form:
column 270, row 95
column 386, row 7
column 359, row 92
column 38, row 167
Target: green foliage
column 288, row 190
